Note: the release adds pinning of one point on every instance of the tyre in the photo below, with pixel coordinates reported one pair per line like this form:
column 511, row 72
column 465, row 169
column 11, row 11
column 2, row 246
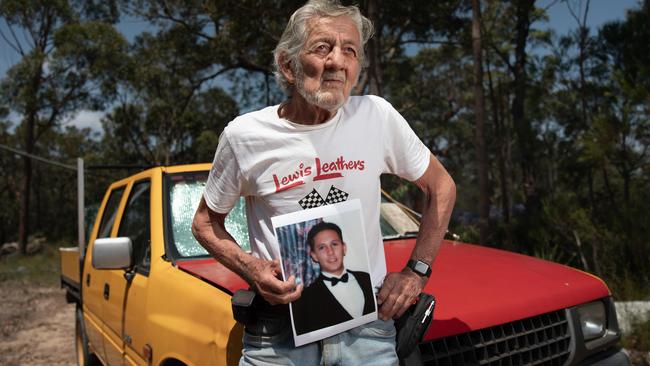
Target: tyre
column 84, row 356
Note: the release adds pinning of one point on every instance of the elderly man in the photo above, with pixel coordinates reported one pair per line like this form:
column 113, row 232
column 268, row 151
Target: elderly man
column 320, row 142
column 346, row 294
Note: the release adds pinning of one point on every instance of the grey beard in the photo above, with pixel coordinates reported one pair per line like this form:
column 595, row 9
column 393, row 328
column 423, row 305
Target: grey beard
column 320, row 99
column 324, row 100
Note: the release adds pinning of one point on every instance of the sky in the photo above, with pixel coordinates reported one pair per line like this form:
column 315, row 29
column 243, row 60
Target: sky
column 560, row 20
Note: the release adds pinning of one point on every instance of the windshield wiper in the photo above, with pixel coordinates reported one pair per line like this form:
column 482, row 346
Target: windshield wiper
column 406, row 234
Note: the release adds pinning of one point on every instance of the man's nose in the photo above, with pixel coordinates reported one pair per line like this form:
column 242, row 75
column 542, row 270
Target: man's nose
column 329, row 250
column 335, row 59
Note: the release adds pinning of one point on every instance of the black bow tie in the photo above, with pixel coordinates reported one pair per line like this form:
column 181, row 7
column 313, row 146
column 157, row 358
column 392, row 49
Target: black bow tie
column 335, row 280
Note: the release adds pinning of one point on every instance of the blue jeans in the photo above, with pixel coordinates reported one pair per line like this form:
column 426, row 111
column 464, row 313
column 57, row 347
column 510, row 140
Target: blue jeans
column 369, row 344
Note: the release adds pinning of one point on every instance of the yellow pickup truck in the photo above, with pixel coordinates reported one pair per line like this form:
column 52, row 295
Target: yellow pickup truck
column 147, row 293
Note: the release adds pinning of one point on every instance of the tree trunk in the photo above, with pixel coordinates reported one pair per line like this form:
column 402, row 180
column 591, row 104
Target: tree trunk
column 524, row 130
column 479, row 113
column 25, row 187
column 583, row 37
column 583, row 79
column 28, row 141
column 610, row 193
column 502, row 153
column 374, row 64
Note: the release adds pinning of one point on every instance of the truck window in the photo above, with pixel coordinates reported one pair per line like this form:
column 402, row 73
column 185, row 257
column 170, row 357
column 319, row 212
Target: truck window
column 110, row 211
column 135, row 225
column 185, row 191
column 394, row 221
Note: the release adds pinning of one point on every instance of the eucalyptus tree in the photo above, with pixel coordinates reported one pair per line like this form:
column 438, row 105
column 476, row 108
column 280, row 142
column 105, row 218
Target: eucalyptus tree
column 167, row 100
column 64, row 46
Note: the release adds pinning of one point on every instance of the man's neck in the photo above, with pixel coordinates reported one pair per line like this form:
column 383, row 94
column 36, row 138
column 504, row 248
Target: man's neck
column 297, row 110
column 337, row 275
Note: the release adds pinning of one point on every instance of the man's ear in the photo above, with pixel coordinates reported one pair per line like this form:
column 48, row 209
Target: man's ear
column 313, row 257
column 345, row 249
column 286, row 68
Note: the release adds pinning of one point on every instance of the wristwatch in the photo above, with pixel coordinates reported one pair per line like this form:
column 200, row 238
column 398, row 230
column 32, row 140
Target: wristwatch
column 420, row 268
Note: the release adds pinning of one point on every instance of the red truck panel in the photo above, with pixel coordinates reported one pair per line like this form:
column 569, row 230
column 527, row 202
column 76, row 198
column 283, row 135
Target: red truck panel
column 487, row 286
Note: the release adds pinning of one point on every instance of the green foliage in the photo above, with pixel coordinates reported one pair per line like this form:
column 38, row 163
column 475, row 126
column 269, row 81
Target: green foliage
column 65, row 54
column 94, row 50
column 41, row 268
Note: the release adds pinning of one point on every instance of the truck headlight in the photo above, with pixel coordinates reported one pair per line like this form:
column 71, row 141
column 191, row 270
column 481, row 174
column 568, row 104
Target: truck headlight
column 593, row 320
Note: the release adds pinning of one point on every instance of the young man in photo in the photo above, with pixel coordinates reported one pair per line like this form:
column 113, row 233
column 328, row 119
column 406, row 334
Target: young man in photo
column 346, row 294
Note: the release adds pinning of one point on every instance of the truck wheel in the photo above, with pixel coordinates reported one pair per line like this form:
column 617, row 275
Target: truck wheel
column 84, row 356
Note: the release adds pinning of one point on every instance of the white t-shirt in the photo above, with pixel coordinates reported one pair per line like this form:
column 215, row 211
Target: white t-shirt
column 277, row 164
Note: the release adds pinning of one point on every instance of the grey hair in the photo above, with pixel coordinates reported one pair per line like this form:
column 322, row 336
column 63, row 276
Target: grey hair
column 295, row 34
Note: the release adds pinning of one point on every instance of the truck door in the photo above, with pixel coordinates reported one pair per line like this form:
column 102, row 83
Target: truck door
column 93, row 280
column 127, row 299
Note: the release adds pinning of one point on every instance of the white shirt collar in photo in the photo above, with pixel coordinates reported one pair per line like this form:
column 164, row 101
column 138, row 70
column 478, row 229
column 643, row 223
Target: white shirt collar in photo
column 348, row 294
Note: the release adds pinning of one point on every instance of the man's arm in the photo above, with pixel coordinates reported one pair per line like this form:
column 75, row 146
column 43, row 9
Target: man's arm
column 263, row 275
column 400, row 289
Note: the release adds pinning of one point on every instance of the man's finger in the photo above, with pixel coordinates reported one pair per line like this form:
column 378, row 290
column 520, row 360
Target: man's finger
column 401, row 303
column 274, row 285
column 386, row 289
column 294, row 295
column 402, row 310
column 402, row 306
column 285, row 298
column 275, row 266
column 386, row 309
column 397, row 304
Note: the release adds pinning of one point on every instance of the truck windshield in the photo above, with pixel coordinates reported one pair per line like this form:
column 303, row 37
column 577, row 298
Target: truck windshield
column 184, row 192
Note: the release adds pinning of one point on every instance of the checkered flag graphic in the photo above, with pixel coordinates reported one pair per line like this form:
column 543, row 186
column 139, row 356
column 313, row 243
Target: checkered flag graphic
column 313, row 199
column 336, row 195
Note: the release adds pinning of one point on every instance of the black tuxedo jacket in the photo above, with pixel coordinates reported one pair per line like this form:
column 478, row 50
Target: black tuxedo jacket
column 317, row 307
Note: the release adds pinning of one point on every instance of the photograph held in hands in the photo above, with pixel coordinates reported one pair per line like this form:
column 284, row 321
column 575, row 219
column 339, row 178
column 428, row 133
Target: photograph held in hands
column 325, row 249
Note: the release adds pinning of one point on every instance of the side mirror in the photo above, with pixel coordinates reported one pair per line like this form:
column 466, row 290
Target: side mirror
column 112, row 253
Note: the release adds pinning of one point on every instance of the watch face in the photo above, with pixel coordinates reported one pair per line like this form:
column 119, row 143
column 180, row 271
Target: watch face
column 421, row 267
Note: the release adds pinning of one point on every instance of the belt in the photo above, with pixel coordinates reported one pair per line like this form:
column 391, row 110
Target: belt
column 268, row 319
column 267, row 326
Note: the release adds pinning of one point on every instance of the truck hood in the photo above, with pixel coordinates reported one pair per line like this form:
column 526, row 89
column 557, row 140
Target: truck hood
column 478, row 287
column 475, row 287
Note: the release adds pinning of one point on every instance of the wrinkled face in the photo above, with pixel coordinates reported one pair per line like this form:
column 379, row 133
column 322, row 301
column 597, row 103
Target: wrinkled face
column 328, row 251
column 329, row 62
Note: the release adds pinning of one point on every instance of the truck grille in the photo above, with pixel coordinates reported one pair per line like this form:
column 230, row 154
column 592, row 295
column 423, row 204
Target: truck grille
column 540, row 340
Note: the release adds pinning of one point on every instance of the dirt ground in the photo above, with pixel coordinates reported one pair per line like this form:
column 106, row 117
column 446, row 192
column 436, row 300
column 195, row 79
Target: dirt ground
column 36, row 326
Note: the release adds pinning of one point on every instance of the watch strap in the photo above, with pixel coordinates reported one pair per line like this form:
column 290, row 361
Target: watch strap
column 419, row 267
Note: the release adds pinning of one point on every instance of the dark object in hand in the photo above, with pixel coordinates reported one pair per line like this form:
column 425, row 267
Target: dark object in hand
column 412, row 325
column 243, row 308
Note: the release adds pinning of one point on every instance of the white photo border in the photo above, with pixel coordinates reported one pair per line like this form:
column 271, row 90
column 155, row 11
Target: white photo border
column 317, row 213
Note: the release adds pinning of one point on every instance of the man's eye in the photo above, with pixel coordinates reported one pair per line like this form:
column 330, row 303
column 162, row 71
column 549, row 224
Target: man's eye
column 350, row 50
column 322, row 49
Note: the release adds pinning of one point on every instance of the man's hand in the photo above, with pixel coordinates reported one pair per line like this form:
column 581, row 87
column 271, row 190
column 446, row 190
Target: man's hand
column 398, row 293
column 264, row 276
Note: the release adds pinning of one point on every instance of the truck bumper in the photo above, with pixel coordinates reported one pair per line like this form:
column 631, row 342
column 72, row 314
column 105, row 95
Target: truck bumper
column 620, row 358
